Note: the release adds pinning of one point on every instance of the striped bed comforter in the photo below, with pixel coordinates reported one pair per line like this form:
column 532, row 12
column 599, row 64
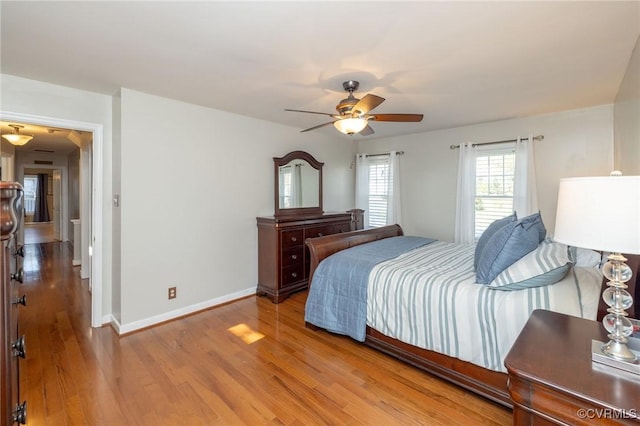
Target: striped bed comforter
column 428, row 298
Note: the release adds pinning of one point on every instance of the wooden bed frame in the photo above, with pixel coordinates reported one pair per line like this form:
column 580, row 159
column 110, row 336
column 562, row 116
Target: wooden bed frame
column 487, row 383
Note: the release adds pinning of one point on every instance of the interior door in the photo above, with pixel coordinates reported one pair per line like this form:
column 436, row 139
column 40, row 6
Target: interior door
column 57, row 204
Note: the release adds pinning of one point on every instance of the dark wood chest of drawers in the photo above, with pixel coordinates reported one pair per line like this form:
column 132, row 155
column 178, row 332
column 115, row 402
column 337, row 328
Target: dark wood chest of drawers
column 283, row 258
column 553, row 381
column 13, row 350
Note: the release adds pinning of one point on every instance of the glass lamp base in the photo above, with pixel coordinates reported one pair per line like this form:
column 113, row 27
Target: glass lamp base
column 618, row 351
column 598, row 355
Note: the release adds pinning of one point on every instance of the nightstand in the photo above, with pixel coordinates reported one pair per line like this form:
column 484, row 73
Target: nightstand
column 552, row 379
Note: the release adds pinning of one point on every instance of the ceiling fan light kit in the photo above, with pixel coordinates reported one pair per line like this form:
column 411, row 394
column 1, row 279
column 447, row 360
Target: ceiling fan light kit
column 350, row 126
column 353, row 113
column 16, row 138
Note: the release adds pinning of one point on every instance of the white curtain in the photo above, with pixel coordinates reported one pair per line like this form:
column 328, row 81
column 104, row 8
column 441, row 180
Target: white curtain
column 525, row 191
column 362, row 186
column 464, row 232
column 394, row 213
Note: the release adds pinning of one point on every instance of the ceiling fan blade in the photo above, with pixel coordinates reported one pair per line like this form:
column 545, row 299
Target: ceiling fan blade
column 366, row 131
column 316, row 127
column 367, row 103
column 405, row 118
column 311, row 112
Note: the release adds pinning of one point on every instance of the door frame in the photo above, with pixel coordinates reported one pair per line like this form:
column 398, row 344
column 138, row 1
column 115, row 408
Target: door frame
column 91, row 197
column 61, row 220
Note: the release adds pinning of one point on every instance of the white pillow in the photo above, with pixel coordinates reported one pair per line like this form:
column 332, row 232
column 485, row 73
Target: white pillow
column 545, row 265
column 585, row 257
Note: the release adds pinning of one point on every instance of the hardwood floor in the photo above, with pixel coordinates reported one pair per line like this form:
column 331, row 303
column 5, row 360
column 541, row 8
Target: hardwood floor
column 247, row 362
column 35, row 232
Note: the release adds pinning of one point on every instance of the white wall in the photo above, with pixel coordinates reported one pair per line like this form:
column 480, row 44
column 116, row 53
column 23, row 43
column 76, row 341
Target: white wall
column 627, row 118
column 193, row 180
column 576, row 143
column 23, row 96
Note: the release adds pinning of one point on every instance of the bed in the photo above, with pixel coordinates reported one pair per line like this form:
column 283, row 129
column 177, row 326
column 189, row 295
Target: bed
column 421, row 303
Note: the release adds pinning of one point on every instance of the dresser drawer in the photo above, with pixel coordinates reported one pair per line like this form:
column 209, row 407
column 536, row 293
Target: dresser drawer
column 319, row 231
column 292, row 238
column 342, row 227
column 292, row 274
column 292, row 255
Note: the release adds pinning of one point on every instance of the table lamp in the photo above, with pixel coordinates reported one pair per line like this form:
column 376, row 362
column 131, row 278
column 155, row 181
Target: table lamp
column 603, row 213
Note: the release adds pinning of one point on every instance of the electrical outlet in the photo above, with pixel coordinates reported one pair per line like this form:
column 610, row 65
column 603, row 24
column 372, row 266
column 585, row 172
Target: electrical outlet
column 172, row 292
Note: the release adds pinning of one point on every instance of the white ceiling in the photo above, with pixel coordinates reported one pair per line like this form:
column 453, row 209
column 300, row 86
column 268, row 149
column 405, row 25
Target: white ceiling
column 458, row 63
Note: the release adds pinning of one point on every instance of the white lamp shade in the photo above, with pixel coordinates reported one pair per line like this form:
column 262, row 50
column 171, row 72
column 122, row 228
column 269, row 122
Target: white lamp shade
column 349, row 126
column 599, row 213
column 17, row 139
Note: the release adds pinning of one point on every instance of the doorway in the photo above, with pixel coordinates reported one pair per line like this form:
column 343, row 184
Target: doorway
column 91, row 193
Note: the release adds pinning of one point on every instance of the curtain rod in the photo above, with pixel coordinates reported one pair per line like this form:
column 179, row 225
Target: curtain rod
column 535, row 138
column 385, row 153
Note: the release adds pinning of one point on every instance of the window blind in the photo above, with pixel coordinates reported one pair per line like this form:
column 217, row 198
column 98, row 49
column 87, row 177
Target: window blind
column 494, row 187
column 379, row 184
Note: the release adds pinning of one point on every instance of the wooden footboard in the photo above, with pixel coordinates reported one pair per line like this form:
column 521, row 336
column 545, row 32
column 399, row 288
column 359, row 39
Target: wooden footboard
column 490, row 384
column 322, row 247
column 487, row 383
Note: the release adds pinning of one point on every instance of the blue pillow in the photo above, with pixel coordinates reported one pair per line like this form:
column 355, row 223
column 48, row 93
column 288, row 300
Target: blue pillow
column 507, row 245
column 494, row 227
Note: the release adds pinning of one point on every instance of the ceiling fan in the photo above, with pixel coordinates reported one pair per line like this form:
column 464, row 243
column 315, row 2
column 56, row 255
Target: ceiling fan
column 353, row 113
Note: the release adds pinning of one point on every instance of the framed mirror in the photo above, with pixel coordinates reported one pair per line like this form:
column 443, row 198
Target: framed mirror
column 298, row 185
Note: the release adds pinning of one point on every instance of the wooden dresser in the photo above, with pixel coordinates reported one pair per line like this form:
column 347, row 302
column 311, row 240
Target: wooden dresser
column 283, row 258
column 13, row 349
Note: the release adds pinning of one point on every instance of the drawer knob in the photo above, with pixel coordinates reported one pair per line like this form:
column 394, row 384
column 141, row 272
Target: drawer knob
column 19, row 251
column 294, row 239
column 20, row 300
column 294, row 256
column 20, row 414
column 18, row 347
column 18, row 276
column 294, row 274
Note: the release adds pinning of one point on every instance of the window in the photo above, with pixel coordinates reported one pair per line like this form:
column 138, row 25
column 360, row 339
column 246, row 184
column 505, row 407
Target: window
column 285, row 187
column 379, row 184
column 30, row 188
column 494, row 187
column 378, row 188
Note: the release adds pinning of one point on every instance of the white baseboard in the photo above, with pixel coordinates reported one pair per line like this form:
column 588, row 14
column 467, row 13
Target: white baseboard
column 110, row 319
column 177, row 313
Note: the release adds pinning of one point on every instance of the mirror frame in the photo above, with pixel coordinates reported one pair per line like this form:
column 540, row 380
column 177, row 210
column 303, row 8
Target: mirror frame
column 297, row 211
